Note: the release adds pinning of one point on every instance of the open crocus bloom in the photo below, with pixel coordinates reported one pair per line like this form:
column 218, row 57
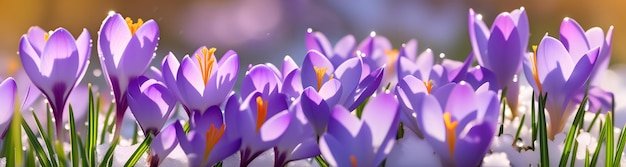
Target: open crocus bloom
column 365, row 142
column 553, row 71
column 343, row 49
column 8, row 89
column 578, row 42
column 458, row 122
column 200, row 80
column 125, row 49
column 55, row 63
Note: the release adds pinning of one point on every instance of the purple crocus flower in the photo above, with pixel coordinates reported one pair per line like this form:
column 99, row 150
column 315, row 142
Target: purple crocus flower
column 163, row 144
column 343, row 50
column 55, row 63
column 299, row 142
column 365, row 142
column 553, row 71
column 210, row 139
column 500, row 49
column 151, row 104
column 577, row 42
column 263, row 116
column 125, row 49
column 8, row 90
column 201, row 81
column 458, row 122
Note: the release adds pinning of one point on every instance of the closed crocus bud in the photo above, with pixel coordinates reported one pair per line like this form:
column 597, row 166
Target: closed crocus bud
column 8, row 89
column 125, row 49
column 55, row 62
column 151, row 104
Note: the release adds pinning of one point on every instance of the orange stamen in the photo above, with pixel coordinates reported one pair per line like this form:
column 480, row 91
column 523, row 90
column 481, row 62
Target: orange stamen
column 393, row 56
column 319, row 74
column 133, row 26
column 213, row 135
column 428, row 85
column 261, row 106
column 205, row 61
column 353, row 161
column 46, row 36
column 534, row 68
column 450, row 131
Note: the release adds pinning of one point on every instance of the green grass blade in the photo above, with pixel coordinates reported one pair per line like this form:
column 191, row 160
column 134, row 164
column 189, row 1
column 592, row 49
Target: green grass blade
column 543, row 134
column 587, row 158
column 609, row 140
column 572, row 133
column 574, row 152
column 109, row 154
column 34, row 144
column 49, row 125
column 519, row 129
column 140, row 150
column 503, row 102
column 30, row 158
column 320, row 161
column 596, row 153
column 106, row 122
column 14, row 157
column 46, row 140
column 594, row 120
column 359, row 109
column 92, row 136
column 135, row 134
column 83, row 154
column 533, row 121
column 620, row 147
column 73, row 139
column 60, row 153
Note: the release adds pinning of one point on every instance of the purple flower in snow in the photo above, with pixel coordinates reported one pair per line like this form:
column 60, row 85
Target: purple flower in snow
column 55, row 63
column 125, row 49
column 163, row 144
column 578, row 42
column 8, row 90
column 500, row 49
column 458, row 122
column 553, row 71
column 151, row 104
column 201, row 81
column 365, row 142
column 299, row 142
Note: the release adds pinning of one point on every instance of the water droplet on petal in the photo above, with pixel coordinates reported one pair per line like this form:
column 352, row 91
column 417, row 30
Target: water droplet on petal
column 373, row 34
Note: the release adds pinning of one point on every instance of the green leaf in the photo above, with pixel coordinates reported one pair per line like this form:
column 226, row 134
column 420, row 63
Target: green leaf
column 46, row 140
column 92, row 138
column 30, row 158
column 74, row 139
column 34, row 143
column 109, row 154
column 135, row 134
column 519, row 129
column 503, row 114
column 572, row 133
column 574, row 151
column 60, row 153
column 594, row 120
column 609, row 140
column 83, row 153
column 321, row 161
column 359, row 110
column 596, row 153
column 106, row 122
column 14, row 154
column 620, row 146
column 140, row 150
column 534, row 122
column 543, row 134
column 587, row 158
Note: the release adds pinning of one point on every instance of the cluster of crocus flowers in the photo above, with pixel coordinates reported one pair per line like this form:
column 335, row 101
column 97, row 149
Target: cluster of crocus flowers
column 346, row 105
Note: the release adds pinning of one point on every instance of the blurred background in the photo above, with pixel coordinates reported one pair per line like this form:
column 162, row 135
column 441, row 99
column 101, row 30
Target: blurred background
column 265, row 31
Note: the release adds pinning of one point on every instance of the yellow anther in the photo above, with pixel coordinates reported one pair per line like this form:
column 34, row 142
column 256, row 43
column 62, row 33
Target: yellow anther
column 534, row 68
column 428, row 85
column 261, row 106
column 319, row 74
column 46, row 36
column 353, row 161
column 213, row 135
column 450, row 131
column 133, row 26
column 205, row 62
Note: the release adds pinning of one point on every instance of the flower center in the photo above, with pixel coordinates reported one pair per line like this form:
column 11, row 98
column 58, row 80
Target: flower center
column 261, row 106
column 428, row 85
column 213, row 135
column 393, row 56
column 205, row 62
column 450, row 131
column 319, row 74
column 46, row 36
column 534, row 68
column 353, row 161
column 133, row 26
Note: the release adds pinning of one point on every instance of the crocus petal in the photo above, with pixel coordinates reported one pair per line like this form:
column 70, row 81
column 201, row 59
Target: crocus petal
column 479, row 35
column 164, row 143
column 274, row 127
column 425, row 62
column 381, row 114
column 83, row 45
column 30, row 60
column 521, row 20
column 349, row 73
column 472, row 147
column 581, row 72
column 431, row 119
column 331, row 92
column 460, row 102
column 504, row 50
column 260, row 78
column 8, row 89
column 551, row 54
column 573, row 38
column 222, row 82
column 140, row 49
column 332, row 155
column 343, row 50
column 316, row 109
column 292, row 85
column 170, row 67
column 150, row 102
column 190, row 85
column 409, row 50
column 313, row 59
column 288, row 66
column 317, row 41
column 112, row 41
column 36, row 38
column 58, row 56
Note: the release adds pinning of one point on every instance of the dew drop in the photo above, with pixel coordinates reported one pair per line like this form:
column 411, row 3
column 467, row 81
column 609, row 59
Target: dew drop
column 111, row 13
column 97, row 72
column 442, row 55
column 479, row 17
column 309, row 30
column 373, row 34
